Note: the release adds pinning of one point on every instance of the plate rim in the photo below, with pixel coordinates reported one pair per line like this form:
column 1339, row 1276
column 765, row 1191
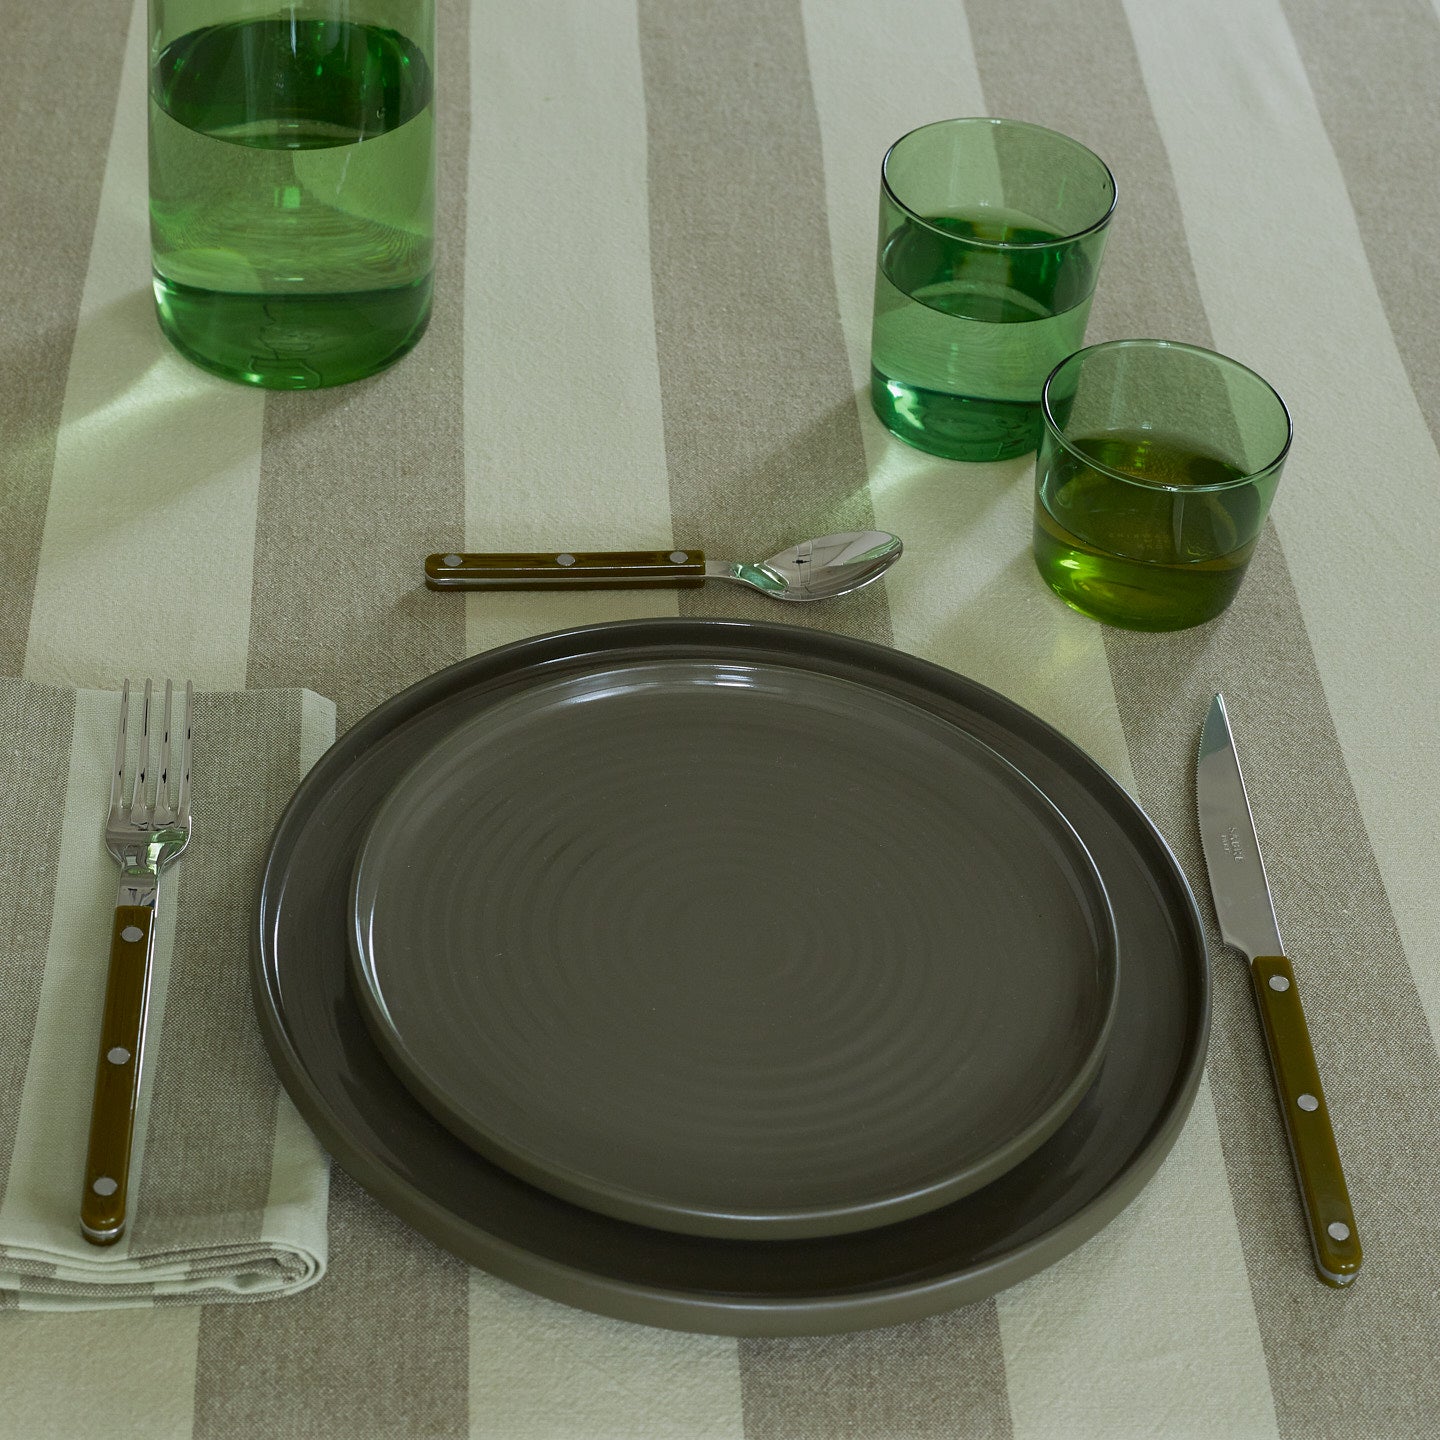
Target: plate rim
column 628, row 1299
column 821, row 1220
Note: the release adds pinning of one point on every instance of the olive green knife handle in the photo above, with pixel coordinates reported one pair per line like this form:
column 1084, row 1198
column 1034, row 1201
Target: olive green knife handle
column 571, row 570
column 1307, row 1121
column 117, row 1075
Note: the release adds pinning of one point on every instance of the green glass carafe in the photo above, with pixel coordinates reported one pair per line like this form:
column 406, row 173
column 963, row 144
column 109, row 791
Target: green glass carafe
column 292, row 189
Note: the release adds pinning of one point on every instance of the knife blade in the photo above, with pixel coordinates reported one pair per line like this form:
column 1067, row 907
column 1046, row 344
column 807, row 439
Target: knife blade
column 1247, row 922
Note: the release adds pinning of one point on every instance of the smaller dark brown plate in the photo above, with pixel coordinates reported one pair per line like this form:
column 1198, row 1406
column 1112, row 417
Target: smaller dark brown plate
column 733, row 949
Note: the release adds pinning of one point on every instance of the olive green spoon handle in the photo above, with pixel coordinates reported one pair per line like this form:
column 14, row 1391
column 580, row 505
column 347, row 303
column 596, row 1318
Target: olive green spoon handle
column 574, row 570
column 1323, row 1191
column 820, row 569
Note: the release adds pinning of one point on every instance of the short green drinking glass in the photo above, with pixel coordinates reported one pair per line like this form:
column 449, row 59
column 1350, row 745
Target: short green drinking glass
column 991, row 233
column 292, row 196
column 1155, row 474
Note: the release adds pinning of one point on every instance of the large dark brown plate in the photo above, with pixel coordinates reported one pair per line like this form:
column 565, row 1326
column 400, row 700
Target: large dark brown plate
column 733, row 948
column 1044, row 1207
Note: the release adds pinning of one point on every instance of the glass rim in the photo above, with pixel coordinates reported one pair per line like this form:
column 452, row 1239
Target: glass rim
column 919, row 219
column 1052, row 426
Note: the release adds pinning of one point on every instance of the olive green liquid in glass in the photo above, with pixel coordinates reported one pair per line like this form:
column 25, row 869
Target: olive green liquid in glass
column 964, row 337
column 1136, row 557
column 291, row 199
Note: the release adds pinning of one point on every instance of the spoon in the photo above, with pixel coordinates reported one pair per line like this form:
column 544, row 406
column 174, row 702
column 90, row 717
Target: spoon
column 817, row 569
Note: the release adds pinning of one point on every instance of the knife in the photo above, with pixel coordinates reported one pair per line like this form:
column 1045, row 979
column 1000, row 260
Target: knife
column 1247, row 921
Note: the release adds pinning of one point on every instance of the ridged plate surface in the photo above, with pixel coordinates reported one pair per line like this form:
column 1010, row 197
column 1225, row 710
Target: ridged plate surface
column 735, row 949
column 1031, row 1216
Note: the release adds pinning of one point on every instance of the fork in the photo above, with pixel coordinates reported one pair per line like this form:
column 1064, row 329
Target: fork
column 145, row 833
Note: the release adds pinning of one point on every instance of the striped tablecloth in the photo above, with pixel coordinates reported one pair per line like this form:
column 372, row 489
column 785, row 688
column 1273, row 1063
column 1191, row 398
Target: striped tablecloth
column 657, row 230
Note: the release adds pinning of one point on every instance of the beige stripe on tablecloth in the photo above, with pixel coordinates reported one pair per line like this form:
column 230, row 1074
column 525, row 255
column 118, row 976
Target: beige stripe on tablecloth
column 1364, row 466
column 356, row 483
column 761, row 429
column 929, row 1380
column 750, row 338
column 565, row 446
column 49, row 192
column 155, row 460
column 34, row 769
column 359, row 483
column 1376, row 90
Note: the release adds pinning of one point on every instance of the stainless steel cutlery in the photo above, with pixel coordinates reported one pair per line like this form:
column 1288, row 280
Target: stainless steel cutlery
column 146, row 830
column 1247, row 921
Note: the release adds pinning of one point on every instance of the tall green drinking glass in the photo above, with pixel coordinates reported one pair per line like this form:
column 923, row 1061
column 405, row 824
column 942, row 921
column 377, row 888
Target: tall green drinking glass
column 1155, row 474
column 292, row 196
column 991, row 233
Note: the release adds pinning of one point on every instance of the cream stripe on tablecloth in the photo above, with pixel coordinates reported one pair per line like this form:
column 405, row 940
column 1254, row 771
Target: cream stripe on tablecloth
column 761, row 429
column 296, row 1149
column 999, row 624
column 565, row 446
column 541, row 1371
column 155, row 462
column 1302, row 257
column 49, row 189
column 83, row 1377
column 565, row 449
column 1376, row 91
column 356, row 483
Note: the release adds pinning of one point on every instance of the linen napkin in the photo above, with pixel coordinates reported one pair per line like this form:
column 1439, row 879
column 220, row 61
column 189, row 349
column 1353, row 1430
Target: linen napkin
column 228, row 1188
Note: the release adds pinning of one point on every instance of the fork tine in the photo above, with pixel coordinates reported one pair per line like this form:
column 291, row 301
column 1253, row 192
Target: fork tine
column 163, row 807
column 185, row 755
column 140, row 795
column 117, row 777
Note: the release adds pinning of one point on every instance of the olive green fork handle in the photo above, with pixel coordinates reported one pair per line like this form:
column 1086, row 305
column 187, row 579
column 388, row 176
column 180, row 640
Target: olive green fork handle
column 573, row 570
column 1307, row 1121
column 117, row 1075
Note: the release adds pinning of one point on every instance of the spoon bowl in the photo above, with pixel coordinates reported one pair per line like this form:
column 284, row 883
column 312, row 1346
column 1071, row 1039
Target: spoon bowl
column 818, row 569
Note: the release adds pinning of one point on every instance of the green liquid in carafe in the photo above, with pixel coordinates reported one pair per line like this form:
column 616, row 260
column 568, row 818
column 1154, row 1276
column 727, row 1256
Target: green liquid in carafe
column 291, row 198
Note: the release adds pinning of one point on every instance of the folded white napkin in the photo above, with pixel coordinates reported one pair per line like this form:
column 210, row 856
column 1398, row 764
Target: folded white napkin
column 228, row 1188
